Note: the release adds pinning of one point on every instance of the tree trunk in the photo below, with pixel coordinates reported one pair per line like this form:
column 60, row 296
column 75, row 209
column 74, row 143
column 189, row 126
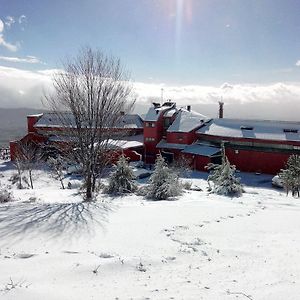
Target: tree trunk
column 62, row 184
column 88, row 191
column 30, row 178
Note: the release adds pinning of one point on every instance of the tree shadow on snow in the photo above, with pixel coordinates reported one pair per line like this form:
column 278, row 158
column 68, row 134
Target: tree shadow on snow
column 66, row 220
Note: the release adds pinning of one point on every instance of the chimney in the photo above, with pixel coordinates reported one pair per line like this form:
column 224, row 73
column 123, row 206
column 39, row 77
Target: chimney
column 221, row 109
column 122, row 113
column 188, row 108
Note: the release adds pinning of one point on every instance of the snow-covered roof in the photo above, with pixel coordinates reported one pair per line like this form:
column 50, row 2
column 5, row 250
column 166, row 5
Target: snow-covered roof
column 169, row 108
column 164, row 144
column 153, row 114
column 201, row 149
column 35, row 115
column 170, row 112
column 253, row 129
column 186, row 121
column 123, row 144
column 129, row 121
column 53, row 120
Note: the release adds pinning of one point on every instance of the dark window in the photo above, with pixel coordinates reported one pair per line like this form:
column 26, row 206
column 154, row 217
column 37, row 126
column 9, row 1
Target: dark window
column 246, row 127
column 290, row 130
column 149, row 139
column 150, row 124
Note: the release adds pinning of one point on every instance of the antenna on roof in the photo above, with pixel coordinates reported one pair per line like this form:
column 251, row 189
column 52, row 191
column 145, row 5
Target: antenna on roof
column 162, row 95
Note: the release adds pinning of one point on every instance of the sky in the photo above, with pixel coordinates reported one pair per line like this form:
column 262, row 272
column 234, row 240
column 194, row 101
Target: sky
column 198, row 51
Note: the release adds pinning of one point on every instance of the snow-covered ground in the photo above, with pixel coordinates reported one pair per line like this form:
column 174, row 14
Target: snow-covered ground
column 200, row 246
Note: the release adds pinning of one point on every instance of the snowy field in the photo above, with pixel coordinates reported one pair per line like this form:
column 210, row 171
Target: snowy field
column 200, row 246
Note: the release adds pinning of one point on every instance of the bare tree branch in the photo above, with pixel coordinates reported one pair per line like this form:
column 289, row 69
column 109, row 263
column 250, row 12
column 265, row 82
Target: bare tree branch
column 89, row 96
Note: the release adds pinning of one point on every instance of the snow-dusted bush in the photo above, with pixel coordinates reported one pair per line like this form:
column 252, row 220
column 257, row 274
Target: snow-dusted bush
column 223, row 178
column 5, row 196
column 187, row 185
column 291, row 175
column 75, row 184
column 182, row 166
column 122, row 178
column 164, row 183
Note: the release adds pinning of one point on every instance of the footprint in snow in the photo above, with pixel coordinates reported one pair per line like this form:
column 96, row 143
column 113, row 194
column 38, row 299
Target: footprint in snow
column 70, row 252
column 25, row 255
column 106, row 255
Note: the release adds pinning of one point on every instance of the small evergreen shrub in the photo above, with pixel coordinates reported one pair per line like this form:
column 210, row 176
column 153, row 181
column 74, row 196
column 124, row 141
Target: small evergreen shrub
column 5, row 196
column 164, row 183
column 223, row 179
column 291, row 175
column 122, row 178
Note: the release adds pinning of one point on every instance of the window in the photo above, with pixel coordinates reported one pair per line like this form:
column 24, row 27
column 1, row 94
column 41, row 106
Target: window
column 150, row 124
column 246, row 127
column 290, row 130
column 180, row 137
column 150, row 139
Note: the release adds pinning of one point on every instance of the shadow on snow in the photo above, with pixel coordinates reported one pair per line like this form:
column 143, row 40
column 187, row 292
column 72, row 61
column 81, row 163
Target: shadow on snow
column 67, row 220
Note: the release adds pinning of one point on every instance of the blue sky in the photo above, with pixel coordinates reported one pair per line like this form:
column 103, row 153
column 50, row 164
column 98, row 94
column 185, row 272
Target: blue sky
column 170, row 41
column 246, row 52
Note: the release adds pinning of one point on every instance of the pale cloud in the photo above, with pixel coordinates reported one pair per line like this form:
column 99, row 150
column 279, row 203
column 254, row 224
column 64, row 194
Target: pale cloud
column 298, row 63
column 7, row 45
column 1, row 26
column 22, row 88
column 9, row 20
column 4, row 43
column 28, row 59
column 22, row 19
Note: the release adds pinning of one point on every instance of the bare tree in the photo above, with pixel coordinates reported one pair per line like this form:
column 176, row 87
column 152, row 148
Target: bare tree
column 28, row 156
column 57, row 169
column 88, row 98
column 20, row 169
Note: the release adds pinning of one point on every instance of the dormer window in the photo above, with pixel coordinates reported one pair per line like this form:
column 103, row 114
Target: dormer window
column 245, row 127
column 290, row 130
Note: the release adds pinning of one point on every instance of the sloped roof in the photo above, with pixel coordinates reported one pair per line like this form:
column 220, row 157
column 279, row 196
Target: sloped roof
column 186, row 121
column 164, row 144
column 252, row 129
column 169, row 108
column 154, row 113
column 129, row 121
column 200, row 149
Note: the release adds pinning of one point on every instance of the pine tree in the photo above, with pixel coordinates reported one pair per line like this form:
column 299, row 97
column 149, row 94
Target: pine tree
column 122, row 178
column 163, row 182
column 291, row 175
column 223, row 178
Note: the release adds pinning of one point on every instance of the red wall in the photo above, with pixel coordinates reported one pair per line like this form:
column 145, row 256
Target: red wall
column 13, row 146
column 31, row 120
column 156, row 133
column 30, row 137
column 254, row 161
column 181, row 137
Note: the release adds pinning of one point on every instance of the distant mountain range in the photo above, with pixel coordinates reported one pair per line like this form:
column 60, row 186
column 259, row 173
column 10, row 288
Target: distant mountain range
column 13, row 123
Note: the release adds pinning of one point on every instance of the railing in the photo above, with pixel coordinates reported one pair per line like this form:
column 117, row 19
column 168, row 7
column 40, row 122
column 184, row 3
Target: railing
column 4, row 153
